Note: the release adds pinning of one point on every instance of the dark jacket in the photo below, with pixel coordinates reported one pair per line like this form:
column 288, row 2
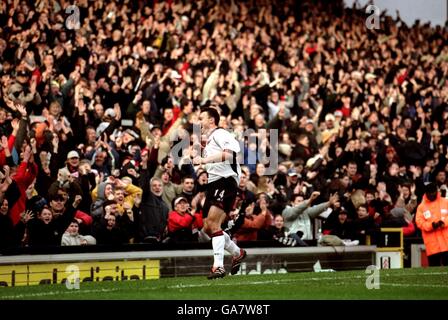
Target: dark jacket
column 6, row 232
column 41, row 234
column 363, row 227
column 153, row 219
column 114, row 236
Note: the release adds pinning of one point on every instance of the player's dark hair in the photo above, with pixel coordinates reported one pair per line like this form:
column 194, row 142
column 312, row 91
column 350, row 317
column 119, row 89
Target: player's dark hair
column 212, row 113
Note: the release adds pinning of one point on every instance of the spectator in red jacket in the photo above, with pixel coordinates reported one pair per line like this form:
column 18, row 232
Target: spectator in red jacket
column 182, row 221
column 25, row 175
column 7, row 143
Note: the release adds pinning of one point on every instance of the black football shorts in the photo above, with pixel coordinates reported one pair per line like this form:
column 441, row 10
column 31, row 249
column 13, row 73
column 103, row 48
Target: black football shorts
column 221, row 193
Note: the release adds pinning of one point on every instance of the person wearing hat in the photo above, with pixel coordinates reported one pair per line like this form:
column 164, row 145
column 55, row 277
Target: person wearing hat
column 182, row 222
column 338, row 224
column 436, row 138
column 338, row 115
column 432, row 219
column 332, row 128
column 73, row 161
column 21, row 90
column 294, row 179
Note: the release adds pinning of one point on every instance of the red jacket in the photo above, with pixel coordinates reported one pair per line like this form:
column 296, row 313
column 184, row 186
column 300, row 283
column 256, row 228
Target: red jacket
column 176, row 221
column 249, row 230
column 24, row 177
column 86, row 218
column 409, row 230
column 11, row 141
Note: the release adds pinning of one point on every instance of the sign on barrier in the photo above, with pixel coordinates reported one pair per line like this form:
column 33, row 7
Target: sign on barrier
column 389, row 252
column 48, row 273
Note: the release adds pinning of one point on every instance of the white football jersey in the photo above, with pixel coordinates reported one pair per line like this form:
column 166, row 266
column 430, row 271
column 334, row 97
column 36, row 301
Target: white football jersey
column 218, row 141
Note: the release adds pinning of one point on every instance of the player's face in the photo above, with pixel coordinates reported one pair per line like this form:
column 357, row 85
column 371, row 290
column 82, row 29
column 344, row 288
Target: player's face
column 205, row 121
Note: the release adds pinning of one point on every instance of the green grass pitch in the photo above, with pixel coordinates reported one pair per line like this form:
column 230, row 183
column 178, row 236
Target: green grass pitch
column 423, row 283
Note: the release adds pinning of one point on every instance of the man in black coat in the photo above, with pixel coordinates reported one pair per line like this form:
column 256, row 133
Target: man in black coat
column 154, row 212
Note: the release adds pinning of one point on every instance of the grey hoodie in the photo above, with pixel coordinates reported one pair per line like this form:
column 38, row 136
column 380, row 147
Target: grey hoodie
column 75, row 240
column 97, row 206
column 298, row 218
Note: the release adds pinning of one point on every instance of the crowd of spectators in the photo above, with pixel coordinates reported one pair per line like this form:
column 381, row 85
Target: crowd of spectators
column 89, row 117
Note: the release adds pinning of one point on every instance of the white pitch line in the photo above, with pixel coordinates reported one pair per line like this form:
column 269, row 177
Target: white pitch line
column 217, row 284
column 177, row 286
column 413, row 285
column 55, row 293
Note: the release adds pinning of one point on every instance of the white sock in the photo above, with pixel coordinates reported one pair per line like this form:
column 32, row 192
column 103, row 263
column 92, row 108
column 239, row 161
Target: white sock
column 231, row 246
column 218, row 243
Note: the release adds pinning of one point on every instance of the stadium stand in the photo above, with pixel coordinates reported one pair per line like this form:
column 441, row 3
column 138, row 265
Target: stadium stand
column 96, row 102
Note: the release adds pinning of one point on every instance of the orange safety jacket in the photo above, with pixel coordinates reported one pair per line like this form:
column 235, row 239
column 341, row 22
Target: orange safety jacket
column 436, row 241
